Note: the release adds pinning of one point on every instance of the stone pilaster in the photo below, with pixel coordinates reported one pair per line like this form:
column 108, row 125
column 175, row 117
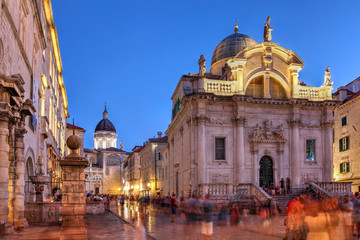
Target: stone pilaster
column 240, row 148
column 4, row 167
column 19, row 181
column 328, row 153
column 201, row 145
column 294, row 160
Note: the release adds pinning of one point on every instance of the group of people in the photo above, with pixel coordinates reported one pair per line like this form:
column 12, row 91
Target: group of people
column 105, row 198
column 275, row 189
column 324, row 219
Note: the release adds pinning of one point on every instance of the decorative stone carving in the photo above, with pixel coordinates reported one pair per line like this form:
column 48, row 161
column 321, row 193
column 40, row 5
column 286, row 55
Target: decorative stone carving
column 310, row 177
column 219, row 178
column 268, row 134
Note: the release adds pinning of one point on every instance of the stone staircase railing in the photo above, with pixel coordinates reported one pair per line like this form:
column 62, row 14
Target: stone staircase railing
column 331, row 189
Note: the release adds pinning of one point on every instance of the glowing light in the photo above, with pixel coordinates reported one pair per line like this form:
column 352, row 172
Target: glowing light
column 148, row 184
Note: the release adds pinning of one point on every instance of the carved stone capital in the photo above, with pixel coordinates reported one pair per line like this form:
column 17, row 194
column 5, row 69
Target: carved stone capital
column 294, row 122
column 20, row 132
column 181, row 130
column 326, row 124
column 239, row 120
column 200, row 118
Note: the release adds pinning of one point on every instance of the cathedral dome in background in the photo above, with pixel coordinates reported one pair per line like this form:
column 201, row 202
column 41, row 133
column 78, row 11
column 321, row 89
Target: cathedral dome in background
column 105, row 124
column 232, row 45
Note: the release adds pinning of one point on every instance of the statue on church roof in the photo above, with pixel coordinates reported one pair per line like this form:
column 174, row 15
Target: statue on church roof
column 202, row 67
column 121, row 146
column 267, row 31
column 327, row 77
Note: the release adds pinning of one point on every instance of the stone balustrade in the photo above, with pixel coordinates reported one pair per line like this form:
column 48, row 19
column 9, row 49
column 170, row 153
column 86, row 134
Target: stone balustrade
column 314, row 93
column 336, row 188
column 231, row 191
column 220, row 87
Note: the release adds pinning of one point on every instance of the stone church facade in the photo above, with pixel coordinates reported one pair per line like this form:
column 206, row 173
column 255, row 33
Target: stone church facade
column 103, row 173
column 249, row 120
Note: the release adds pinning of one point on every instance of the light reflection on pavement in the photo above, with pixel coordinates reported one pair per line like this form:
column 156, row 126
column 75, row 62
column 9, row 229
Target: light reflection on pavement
column 157, row 224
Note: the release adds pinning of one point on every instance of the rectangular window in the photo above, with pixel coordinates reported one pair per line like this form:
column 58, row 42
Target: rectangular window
column 344, row 121
column 310, row 150
column 344, row 167
column 159, row 157
column 219, row 148
column 344, row 144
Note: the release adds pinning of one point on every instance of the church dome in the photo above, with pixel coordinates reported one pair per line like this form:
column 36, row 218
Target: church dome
column 105, row 124
column 232, row 45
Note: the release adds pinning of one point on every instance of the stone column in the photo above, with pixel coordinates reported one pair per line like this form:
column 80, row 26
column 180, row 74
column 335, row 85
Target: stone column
column 19, row 194
column 294, row 160
column 4, row 167
column 74, row 199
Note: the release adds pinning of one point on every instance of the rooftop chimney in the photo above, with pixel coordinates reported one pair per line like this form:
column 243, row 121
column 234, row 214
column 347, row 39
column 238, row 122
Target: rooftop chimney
column 159, row 134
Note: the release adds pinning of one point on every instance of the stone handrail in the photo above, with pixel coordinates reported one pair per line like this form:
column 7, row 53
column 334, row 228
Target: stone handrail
column 250, row 190
column 220, row 87
column 320, row 191
column 336, row 188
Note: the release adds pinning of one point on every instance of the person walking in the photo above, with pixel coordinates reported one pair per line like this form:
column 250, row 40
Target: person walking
column 288, row 186
column 207, row 224
column 173, row 205
column 282, row 186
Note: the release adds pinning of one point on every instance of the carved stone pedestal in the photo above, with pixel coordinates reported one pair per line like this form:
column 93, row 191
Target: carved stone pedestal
column 73, row 200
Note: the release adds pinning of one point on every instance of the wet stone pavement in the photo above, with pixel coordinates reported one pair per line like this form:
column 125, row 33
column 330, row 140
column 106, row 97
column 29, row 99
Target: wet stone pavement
column 157, row 224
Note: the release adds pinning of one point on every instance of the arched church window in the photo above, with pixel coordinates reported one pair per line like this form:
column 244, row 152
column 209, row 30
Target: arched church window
column 256, row 88
column 276, row 90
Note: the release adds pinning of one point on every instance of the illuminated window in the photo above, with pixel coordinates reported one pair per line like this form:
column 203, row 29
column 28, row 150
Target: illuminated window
column 256, row 88
column 276, row 90
column 344, row 167
column 344, row 144
column 219, row 148
column 310, row 150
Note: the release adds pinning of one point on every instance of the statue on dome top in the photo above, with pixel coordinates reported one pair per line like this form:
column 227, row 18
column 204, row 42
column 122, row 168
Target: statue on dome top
column 202, row 67
column 267, row 31
column 327, row 77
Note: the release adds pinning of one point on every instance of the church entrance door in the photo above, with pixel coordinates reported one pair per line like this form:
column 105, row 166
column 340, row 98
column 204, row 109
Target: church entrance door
column 266, row 171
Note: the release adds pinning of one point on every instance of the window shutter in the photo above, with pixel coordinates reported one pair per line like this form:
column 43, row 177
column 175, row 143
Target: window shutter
column 347, row 142
column 340, row 145
column 347, row 167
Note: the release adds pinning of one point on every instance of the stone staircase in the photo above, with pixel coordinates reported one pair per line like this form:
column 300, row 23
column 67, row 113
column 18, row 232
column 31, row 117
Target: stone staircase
column 284, row 199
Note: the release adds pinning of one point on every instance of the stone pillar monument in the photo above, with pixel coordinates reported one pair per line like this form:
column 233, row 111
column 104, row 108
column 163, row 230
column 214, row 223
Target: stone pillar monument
column 73, row 200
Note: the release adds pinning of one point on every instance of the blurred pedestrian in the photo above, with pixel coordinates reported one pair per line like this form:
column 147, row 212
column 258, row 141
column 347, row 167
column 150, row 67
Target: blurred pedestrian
column 173, row 205
column 356, row 214
column 347, row 207
column 317, row 222
column 234, row 214
column 207, row 224
column 288, row 186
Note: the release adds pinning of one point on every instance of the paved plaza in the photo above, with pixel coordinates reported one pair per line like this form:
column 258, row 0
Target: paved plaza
column 157, row 224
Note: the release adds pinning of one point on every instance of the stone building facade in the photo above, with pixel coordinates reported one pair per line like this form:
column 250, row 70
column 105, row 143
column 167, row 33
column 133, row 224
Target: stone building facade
column 33, row 105
column 151, row 167
column 131, row 173
column 249, row 120
column 346, row 135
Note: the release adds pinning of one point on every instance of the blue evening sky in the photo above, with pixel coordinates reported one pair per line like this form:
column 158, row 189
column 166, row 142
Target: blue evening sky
column 131, row 54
